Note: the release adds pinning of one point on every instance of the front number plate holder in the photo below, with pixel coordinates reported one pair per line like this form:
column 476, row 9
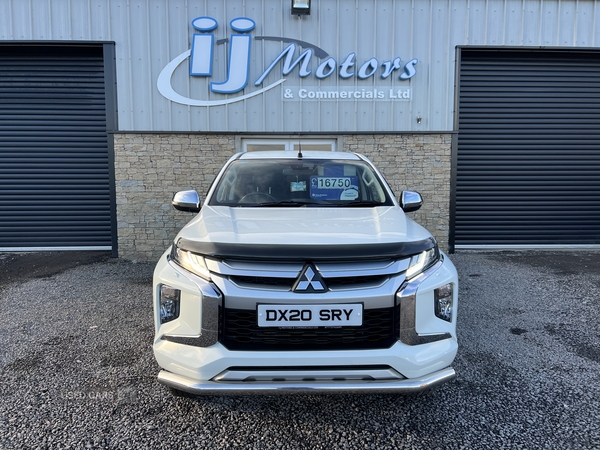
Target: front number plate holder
column 296, row 316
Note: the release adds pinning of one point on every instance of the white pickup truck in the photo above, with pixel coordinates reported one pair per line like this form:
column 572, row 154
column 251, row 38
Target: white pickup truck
column 302, row 273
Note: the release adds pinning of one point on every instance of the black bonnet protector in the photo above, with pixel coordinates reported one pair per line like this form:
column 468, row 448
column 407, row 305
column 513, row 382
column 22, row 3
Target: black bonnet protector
column 392, row 250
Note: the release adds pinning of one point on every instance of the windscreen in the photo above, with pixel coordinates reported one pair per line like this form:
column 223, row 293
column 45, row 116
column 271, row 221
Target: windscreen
column 283, row 182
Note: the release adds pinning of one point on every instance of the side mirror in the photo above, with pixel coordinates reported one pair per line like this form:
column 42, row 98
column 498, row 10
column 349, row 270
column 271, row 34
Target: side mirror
column 410, row 201
column 187, row 201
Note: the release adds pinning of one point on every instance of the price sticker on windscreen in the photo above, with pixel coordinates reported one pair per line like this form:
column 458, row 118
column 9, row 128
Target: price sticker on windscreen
column 334, row 188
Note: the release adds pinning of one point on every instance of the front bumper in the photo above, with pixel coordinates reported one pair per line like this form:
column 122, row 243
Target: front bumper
column 402, row 386
column 194, row 362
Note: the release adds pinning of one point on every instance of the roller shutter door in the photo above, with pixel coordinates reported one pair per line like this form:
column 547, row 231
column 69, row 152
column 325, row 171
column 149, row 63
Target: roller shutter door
column 528, row 151
column 54, row 159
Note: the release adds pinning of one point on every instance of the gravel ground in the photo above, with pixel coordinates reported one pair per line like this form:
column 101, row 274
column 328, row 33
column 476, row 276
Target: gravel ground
column 77, row 370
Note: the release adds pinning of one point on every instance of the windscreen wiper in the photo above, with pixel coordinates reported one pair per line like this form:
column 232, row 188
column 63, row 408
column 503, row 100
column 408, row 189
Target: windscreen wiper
column 292, row 203
column 359, row 203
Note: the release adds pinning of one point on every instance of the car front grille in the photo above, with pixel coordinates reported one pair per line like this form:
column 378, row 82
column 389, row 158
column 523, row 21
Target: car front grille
column 239, row 331
column 287, row 283
column 282, row 275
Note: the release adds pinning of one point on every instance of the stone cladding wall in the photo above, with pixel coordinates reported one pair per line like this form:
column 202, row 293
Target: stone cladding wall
column 149, row 168
column 414, row 162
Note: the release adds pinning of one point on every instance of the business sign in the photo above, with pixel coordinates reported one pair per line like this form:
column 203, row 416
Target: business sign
column 312, row 64
column 308, row 93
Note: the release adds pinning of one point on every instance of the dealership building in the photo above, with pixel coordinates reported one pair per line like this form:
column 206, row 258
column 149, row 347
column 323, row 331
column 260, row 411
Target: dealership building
column 490, row 109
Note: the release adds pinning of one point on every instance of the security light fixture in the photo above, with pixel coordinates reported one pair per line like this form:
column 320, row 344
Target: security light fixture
column 301, row 7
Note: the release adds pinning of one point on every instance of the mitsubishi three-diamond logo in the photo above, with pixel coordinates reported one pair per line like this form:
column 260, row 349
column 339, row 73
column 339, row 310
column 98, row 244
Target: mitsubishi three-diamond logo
column 309, row 281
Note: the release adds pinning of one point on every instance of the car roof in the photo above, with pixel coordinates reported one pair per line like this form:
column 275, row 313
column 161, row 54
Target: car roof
column 294, row 155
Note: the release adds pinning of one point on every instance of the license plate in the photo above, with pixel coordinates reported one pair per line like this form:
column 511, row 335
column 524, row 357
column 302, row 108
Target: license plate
column 335, row 315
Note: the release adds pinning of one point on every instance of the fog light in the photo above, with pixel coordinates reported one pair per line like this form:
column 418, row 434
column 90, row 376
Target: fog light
column 443, row 298
column 169, row 303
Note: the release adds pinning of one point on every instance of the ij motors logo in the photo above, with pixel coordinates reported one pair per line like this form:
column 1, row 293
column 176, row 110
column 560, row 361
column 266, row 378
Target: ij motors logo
column 202, row 55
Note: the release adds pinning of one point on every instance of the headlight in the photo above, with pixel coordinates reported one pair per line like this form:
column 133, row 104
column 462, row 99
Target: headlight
column 423, row 261
column 190, row 261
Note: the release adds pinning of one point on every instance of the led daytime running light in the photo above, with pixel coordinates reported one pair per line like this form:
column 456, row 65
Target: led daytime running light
column 422, row 261
column 190, row 261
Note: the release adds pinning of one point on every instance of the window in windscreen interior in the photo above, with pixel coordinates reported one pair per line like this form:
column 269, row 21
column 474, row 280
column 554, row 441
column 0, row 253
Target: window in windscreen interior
column 307, row 181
